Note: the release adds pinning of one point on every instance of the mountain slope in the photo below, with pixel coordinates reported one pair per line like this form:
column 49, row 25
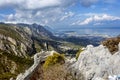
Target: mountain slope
column 18, row 42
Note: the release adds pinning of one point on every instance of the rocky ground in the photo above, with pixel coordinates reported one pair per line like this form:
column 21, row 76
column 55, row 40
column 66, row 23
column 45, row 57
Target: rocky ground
column 97, row 63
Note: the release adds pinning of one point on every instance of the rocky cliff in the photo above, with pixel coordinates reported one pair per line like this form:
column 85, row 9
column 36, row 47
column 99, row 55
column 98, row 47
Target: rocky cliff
column 18, row 43
column 97, row 63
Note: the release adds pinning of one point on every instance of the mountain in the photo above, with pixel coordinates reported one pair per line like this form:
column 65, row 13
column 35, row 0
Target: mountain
column 18, row 43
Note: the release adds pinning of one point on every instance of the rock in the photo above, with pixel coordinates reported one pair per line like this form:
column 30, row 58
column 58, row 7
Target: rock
column 97, row 63
column 38, row 58
column 11, row 40
column 26, row 29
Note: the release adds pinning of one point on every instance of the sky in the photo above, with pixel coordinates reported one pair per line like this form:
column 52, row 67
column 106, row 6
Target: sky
column 62, row 13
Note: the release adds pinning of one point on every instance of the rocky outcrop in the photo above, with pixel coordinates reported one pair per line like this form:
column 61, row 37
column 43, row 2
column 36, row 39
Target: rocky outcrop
column 96, row 63
column 38, row 58
column 13, row 46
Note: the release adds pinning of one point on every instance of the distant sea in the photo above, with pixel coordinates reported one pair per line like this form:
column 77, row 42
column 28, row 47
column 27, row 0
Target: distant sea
column 112, row 32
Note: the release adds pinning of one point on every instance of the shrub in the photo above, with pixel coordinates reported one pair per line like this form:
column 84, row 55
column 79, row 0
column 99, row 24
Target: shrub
column 78, row 53
column 54, row 59
column 112, row 44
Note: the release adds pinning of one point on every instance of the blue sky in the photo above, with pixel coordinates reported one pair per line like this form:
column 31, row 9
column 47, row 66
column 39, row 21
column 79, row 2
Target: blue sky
column 62, row 13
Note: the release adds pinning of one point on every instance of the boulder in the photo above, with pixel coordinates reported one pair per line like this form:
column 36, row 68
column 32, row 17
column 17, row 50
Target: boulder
column 97, row 63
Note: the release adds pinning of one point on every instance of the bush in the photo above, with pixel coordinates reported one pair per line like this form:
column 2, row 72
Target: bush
column 112, row 44
column 54, row 59
column 78, row 53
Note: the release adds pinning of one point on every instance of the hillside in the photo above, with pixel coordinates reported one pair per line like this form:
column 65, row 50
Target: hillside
column 19, row 43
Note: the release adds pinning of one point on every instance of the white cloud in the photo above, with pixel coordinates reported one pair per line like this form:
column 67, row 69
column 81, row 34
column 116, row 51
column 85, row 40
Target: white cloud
column 67, row 15
column 96, row 19
column 49, row 11
column 37, row 11
column 36, row 4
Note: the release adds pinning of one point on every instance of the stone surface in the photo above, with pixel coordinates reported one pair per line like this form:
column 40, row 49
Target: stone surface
column 38, row 58
column 97, row 63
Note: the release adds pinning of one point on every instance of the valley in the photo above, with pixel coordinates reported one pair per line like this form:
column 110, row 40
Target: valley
column 19, row 43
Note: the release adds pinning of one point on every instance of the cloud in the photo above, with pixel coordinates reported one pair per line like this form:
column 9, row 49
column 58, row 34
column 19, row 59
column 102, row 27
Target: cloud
column 47, row 12
column 39, row 4
column 96, row 19
column 38, row 11
column 66, row 15
column 88, row 3
column 36, row 4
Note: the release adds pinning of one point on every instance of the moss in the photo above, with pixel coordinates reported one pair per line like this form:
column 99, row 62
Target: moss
column 54, row 59
column 78, row 53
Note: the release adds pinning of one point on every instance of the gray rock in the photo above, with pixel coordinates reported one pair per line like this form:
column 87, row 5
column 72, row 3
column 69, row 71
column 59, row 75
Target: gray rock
column 97, row 63
column 38, row 58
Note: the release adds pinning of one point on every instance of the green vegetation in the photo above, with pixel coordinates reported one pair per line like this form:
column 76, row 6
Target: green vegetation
column 53, row 69
column 7, row 30
column 112, row 44
column 37, row 46
column 7, row 76
column 54, row 59
column 8, row 61
column 78, row 53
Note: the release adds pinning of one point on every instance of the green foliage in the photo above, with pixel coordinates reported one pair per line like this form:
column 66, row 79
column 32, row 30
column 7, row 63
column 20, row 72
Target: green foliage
column 54, row 59
column 18, row 59
column 78, row 53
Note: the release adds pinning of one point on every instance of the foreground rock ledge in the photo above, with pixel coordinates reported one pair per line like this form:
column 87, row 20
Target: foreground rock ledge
column 97, row 63
column 38, row 58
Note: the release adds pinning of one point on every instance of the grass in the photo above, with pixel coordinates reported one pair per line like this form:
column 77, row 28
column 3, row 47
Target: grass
column 78, row 53
column 54, row 72
column 54, row 59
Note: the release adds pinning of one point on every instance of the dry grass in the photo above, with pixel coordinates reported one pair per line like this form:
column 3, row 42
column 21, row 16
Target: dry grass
column 112, row 44
column 55, row 72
